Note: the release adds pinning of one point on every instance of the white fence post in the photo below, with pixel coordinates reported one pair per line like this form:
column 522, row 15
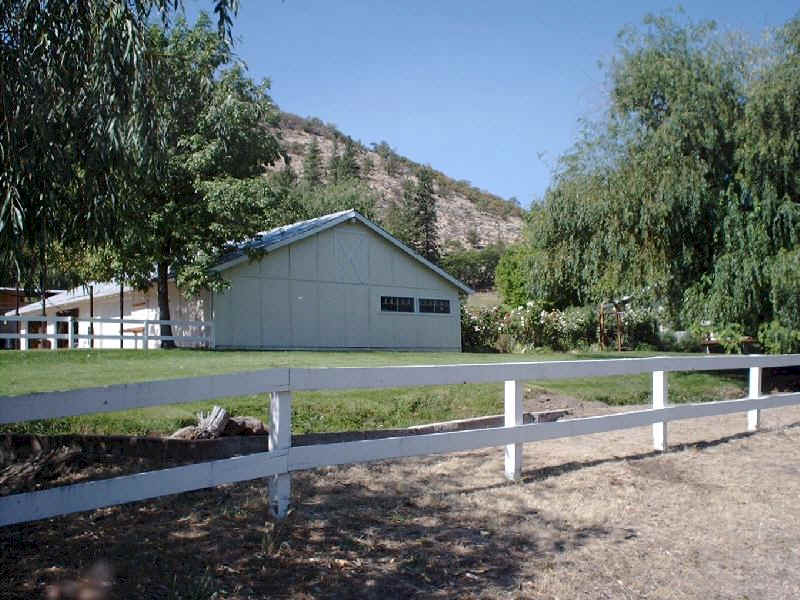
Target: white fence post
column 146, row 335
column 513, row 416
column 754, row 416
column 280, row 437
column 23, row 330
column 660, row 401
column 52, row 329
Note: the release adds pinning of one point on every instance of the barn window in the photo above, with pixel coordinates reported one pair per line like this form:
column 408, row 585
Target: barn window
column 431, row 305
column 397, row 304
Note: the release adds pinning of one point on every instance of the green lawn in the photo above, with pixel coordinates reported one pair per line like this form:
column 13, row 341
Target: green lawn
column 26, row 372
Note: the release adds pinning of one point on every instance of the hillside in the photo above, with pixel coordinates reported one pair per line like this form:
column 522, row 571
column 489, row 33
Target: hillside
column 464, row 212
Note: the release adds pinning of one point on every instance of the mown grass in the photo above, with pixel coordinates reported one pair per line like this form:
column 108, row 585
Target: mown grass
column 327, row 410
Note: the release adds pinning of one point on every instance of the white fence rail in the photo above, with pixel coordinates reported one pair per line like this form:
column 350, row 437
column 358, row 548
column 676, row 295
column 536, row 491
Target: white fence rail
column 283, row 458
column 140, row 331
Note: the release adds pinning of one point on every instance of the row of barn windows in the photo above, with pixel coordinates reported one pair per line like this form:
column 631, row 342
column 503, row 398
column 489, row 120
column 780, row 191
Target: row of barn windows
column 405, row 304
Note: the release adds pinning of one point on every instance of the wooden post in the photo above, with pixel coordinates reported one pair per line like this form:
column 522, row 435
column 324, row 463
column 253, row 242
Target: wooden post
column 601, row 333
column 514, row 391
column 754, row 416
column 660, row 401
column 280, row 437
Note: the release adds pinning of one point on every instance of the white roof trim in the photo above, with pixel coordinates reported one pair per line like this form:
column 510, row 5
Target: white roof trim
column 346, row 216
column 71, row 297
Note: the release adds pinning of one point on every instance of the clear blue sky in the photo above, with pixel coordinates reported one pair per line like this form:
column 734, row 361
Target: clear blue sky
column 485, row 91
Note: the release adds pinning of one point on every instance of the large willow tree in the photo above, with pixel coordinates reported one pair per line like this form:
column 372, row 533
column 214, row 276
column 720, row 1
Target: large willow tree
column 75, row 118
column 686, row 194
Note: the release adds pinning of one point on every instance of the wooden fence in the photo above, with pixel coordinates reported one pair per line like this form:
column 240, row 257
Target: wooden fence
column 283, row 458
column 140, row 331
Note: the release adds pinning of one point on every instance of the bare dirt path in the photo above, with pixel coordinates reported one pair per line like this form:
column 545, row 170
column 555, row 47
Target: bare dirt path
column 595, row 517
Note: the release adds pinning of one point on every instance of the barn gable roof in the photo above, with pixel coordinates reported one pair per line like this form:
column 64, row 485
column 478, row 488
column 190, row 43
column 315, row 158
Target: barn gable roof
column 273, row 239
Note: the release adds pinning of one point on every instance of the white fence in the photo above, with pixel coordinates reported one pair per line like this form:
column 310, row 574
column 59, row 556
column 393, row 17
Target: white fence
column 283, row 458
column 139, row 331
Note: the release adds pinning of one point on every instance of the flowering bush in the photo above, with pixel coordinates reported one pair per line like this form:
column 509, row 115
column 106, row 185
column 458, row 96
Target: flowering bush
column 640, row 327
column 480, row 328
column 532, row 326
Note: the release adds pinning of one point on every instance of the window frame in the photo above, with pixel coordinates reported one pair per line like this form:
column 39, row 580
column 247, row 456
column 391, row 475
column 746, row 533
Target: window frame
column 397, row 310
column 435, row 303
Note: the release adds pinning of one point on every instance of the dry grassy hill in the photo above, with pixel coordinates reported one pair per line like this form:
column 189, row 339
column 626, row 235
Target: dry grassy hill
column 464, row 212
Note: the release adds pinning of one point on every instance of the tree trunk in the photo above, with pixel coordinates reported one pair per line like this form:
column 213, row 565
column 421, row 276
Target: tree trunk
column 43, row 267
column 163, row 304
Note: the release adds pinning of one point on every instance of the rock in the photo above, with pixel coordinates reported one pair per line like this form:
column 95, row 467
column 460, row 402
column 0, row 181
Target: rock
column 233, row 427
column 185, row 433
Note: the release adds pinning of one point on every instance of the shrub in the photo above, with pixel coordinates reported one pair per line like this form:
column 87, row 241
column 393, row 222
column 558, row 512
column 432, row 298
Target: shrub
column 640, row 327
column 480, row 328
column 779, row 339
column 511, row 277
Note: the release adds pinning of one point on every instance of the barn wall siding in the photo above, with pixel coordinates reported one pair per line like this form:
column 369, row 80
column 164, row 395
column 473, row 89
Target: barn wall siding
column 324, row 292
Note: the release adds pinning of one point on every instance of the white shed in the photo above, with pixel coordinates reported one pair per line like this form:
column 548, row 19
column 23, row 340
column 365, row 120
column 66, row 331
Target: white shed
column 338, row 281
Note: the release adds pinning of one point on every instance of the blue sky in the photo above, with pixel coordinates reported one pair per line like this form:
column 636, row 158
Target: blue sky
column 485, row 91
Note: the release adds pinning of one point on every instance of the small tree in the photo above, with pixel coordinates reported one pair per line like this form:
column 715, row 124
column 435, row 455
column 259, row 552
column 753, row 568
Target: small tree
column 426, row 219
column 413, row 218
column 333, row 162
column 348, row 164
column 312, row 165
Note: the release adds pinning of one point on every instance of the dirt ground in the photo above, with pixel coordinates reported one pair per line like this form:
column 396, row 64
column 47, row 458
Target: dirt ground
column 600, row 516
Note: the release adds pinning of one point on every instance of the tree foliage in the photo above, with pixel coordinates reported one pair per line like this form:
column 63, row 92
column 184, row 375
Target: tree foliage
column 76, row 117
column 312, row 165
column 474, row 267
column 412, row 218
column 205, row 188
column 687, row 194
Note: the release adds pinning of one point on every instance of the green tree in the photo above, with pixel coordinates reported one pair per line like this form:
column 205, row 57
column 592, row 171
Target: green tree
column 388, row 155
column 312, row 165
column 76, row 118
column 344, row 166
column 413, row 218
column 333, row 162
column 305, row 202
column 207, row 186
column 348, row 166
column 511, row 275
column 474, row 267
column 636, row 205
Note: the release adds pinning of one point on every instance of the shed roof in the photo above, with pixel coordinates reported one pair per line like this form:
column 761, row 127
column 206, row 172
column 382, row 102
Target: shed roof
column 266, row 241
column 78, row 294
column 273, row 239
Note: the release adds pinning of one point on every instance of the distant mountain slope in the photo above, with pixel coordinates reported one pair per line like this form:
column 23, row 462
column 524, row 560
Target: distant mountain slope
column 465, row 213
